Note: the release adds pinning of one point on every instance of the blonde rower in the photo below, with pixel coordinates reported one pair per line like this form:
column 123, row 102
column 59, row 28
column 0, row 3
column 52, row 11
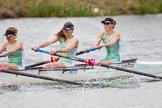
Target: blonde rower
column 13, row 49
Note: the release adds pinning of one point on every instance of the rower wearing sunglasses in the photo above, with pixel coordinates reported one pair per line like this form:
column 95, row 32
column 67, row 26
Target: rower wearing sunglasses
column 68, row 46
column 110, row 39
column 13, row 49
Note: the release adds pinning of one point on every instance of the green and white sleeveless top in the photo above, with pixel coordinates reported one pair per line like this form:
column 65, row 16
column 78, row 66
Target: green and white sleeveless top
column 113, row 52
column 16, row 57
column 63, row 44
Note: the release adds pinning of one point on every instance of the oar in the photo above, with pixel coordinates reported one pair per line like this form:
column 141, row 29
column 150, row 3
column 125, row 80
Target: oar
column 52, row 59
column 38, row 76
column 1, row 56
column 91, row 49
column 37, row 64
column 95, row 63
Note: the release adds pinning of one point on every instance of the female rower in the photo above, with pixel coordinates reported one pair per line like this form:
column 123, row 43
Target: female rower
column 110, row 40
column 13, row 49
column 68, row 46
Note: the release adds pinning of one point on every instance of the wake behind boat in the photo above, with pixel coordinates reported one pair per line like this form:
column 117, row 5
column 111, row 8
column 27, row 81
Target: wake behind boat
column 79, row 72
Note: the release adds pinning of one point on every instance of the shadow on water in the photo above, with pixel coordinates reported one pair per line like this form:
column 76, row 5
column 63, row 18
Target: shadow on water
column 121, row 83
column 8, row 87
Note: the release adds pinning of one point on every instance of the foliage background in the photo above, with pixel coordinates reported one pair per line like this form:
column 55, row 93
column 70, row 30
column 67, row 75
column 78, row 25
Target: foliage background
column 76, row 8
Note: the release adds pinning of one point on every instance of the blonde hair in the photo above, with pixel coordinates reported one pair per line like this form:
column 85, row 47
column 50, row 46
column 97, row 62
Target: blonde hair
column 13, row 29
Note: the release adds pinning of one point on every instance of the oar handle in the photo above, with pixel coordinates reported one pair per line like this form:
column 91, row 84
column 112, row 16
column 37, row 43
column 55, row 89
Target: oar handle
column 52, row 59
column 87, row 61
column 42, row 51
column 81, row 52
column 91, row 49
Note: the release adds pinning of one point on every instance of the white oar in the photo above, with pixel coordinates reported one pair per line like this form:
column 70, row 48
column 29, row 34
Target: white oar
column 37, row 76
column 95, row 63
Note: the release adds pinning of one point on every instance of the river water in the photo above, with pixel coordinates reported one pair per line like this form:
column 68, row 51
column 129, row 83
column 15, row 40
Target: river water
column 141, row 38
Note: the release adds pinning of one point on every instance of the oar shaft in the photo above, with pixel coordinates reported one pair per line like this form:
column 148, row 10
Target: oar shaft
column 38, row 76
column 114, row 67
column 72, row 58
column 130, row 71
column 79, row 53
column 37, row 64
column 53, row 59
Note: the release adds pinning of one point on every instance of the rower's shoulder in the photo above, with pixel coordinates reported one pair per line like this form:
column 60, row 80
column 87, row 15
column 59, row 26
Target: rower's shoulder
column 117, row 33
column 101, row 35
column 19, row 43
column 4, row 44
column 76, row 38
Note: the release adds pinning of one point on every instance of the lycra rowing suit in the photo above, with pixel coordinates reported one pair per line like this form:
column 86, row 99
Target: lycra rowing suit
column 71, row 53
column 113, row 52
column 16, row 57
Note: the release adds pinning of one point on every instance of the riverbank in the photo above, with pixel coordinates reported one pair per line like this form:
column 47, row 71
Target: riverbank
column 76, row 8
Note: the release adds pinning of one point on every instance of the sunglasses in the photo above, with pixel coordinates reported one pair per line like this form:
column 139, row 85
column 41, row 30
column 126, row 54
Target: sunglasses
column 68, row 29
column 107, row 23
column 8, row 36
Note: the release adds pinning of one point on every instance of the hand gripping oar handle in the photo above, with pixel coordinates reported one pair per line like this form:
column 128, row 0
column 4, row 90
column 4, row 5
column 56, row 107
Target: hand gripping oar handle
column 52, row 59
column 43, row 51
column 38, row 76
column 91, row 49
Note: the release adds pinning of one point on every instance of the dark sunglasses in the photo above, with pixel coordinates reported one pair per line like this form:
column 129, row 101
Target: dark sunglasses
column 106, row 23
column 8, row 36
column 68, row 29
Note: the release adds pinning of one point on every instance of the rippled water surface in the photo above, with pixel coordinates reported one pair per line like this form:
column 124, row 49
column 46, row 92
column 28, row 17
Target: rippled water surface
column 141, row 38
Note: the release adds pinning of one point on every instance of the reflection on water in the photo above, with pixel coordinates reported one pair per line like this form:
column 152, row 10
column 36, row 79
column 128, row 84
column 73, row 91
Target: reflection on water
column 8, row 87
column 120, row 82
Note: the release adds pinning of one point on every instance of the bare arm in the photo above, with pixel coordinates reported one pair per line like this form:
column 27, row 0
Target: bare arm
column 114, row 39
column 74, row 44
column 98, row 41
column 18, row 46
column 2, row 47
column 46, row 43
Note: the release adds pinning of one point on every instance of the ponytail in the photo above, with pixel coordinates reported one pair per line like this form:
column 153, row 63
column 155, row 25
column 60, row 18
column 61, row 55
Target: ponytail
column 61, row 34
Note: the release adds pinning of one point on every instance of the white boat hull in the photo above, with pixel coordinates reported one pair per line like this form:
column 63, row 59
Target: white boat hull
column 88, row 74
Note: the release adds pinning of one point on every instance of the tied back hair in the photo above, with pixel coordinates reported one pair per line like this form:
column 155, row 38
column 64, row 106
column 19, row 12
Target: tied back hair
column 114, row 23
column 61, row 34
